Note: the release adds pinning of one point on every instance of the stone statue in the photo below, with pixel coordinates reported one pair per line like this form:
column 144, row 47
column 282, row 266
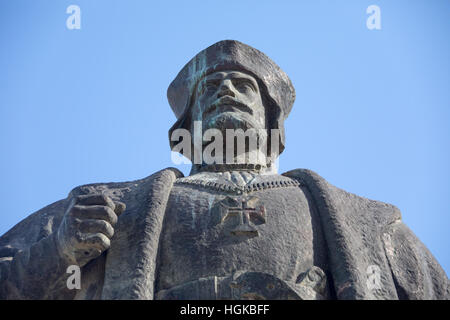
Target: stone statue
column 229, row 230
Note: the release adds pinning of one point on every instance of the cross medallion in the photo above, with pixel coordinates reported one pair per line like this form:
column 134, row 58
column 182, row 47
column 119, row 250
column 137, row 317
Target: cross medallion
column 245, row 216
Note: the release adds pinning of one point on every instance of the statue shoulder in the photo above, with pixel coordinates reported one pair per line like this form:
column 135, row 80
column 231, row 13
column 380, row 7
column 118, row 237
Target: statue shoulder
column 372, row 212
column 116, row 189
column 43, row 222
column 32, row 229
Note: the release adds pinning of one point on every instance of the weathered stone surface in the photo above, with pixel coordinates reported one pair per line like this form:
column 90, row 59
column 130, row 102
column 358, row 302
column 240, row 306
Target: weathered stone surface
column 227, row 231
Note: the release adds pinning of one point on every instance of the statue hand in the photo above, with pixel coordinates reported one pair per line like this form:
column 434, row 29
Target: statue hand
column 87, row 227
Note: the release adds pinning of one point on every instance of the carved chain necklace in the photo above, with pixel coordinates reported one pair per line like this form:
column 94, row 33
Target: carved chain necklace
column 237, row 182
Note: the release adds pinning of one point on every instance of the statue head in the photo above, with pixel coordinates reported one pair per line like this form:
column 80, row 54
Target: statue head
column 230, row 85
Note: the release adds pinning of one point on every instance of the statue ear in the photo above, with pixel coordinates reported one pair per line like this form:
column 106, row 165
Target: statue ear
column 183, row 123
column 274, row 120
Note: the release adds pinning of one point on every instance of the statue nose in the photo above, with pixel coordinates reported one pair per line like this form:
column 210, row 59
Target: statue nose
column 225, row 90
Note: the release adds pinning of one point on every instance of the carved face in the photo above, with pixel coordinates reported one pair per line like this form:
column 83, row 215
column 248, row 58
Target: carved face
column 229, row 100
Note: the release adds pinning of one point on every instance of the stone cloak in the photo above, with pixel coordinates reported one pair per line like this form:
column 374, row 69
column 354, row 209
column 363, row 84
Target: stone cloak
column 359, row 233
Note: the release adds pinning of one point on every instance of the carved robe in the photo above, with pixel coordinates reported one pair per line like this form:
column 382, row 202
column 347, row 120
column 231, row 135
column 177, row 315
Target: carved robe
column 218, row 239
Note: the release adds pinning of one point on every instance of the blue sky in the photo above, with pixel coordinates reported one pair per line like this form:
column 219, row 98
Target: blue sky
column 371, row 115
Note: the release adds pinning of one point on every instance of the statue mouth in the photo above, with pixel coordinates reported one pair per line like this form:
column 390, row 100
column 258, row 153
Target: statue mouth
column 227, row 104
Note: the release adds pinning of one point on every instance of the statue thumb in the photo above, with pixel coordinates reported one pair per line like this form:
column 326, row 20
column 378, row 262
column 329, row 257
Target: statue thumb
column 120, row 207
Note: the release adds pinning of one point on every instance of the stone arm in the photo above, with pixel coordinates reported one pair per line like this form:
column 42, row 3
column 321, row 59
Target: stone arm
column 416, row 273
column 362, row 233
column 30, row 264
column 37, row 272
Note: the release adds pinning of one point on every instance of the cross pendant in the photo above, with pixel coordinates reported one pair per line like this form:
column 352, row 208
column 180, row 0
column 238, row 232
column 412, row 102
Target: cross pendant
column 246, row 216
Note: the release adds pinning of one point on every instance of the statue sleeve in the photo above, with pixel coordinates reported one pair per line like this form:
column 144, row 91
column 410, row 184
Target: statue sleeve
column 416, row 273
column 38, row 272
column 30, row 265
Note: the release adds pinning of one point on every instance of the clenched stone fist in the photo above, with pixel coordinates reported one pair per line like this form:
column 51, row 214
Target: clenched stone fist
column 87, row 227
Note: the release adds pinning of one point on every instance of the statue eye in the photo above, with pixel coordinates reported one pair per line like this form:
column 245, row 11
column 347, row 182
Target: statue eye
column 244, row 86
column 208, row 87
